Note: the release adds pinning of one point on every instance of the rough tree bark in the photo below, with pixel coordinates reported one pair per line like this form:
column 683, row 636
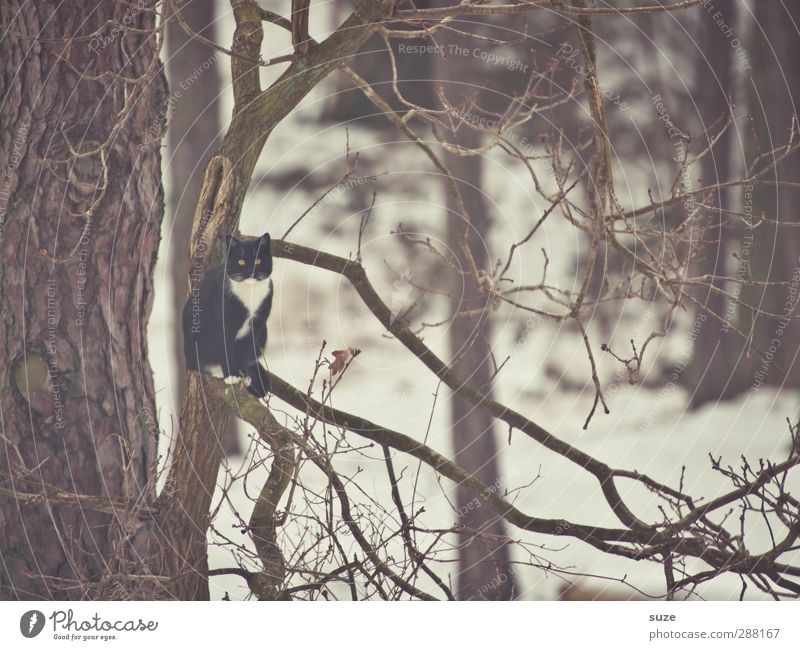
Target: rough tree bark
column 79, row 240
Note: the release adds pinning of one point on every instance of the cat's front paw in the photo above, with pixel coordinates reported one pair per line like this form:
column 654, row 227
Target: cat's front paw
column 235, row 379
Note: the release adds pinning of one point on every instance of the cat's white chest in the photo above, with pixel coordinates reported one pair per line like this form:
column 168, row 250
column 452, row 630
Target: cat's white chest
column 251, row 293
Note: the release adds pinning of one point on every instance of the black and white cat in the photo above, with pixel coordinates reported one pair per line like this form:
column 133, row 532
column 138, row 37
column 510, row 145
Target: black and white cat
column 225, row 318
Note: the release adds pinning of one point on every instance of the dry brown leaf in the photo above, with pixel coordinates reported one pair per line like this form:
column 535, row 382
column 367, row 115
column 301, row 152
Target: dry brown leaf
column 340, row 359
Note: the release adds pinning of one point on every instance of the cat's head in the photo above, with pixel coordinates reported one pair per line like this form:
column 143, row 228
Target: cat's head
column 248, row 258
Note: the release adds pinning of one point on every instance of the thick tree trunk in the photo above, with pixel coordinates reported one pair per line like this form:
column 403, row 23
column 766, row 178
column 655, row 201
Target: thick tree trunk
column 79, row 242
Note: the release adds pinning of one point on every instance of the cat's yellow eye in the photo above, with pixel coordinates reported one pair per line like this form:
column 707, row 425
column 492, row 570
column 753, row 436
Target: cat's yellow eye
column 258, row 261
column 241, row 262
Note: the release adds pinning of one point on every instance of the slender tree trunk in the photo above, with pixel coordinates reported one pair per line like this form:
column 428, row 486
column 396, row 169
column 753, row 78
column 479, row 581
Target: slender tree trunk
column 484, row 565
column 193, row 71
column 79, row 239
column 710, row 375
column 194, row 129
column 774, row 100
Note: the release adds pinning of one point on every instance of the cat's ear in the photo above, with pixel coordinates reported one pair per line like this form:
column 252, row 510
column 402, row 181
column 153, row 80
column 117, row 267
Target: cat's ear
column 265, row 239
column 231, row 241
